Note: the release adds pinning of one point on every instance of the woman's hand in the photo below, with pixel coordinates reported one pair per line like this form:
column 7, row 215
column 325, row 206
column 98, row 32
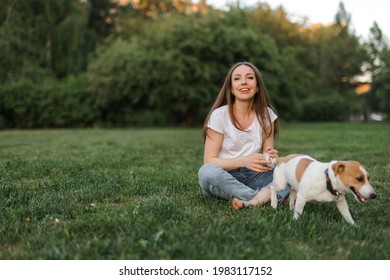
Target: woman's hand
column 272, row 152
column 256, row 162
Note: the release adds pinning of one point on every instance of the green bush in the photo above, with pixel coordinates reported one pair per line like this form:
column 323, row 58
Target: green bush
column 51, row 103
column 325, row 108
column 18, row 104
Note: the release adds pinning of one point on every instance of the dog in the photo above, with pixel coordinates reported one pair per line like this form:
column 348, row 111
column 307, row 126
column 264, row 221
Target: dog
column 311, row 180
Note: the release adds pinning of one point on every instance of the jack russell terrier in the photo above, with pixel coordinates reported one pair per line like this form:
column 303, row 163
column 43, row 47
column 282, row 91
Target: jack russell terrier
column 310, row 180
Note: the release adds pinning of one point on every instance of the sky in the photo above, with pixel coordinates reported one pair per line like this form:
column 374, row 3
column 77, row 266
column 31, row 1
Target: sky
column 363, row 12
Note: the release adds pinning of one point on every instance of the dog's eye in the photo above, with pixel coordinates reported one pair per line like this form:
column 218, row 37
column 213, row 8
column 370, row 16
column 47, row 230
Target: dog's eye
column 360, row 179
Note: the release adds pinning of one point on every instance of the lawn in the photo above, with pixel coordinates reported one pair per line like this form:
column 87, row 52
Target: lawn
column 133, row 194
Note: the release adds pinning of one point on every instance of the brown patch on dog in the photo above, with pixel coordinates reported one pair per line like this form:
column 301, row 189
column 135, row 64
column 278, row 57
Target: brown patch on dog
column 286, row 159
column 301, row 168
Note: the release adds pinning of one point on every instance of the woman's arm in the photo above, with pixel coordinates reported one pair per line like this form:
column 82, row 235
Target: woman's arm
column 212, row 147
column 268, row 144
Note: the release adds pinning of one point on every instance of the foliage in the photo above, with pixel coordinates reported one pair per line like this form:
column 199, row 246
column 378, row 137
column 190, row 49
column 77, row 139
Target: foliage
column 187, row 50
column 381, row 84
column 161, row 63
column 25, row 104
column 326, row 108
column 57, row 35
column 134, row 194
column 377, row 63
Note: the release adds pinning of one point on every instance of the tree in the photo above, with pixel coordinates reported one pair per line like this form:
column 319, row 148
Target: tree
column 103, row 16
column 176, row 67
column 161, row 62
column 334, row 55
column 276, row 23
column 377, row 65
column 52, row 36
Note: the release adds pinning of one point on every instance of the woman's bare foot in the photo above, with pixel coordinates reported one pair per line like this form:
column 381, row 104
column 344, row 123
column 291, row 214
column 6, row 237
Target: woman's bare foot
column 237, row 204
column 262, row 197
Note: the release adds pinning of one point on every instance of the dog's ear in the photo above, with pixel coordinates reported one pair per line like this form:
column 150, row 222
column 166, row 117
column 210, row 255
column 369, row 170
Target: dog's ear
column 338, row 167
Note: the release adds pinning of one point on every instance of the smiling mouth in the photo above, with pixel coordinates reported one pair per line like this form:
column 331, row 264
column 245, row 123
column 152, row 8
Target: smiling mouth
column 361, row 198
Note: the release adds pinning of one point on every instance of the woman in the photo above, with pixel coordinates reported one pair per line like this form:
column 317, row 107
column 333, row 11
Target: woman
column 241, row 124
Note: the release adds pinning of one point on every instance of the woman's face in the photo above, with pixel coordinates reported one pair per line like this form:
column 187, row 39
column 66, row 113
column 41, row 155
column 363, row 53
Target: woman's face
column 244, row 83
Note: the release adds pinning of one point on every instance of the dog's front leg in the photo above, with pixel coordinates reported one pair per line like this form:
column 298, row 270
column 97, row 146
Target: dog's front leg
column 342, row 205
column 299, row 205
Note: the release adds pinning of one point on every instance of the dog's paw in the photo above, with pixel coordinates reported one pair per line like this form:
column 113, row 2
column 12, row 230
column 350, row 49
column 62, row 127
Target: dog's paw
column 296, row 216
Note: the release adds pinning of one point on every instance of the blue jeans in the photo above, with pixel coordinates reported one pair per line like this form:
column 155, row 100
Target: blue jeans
column 241, row 183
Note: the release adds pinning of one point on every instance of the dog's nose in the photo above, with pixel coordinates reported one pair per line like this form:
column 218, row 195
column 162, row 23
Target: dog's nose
column 373, row 195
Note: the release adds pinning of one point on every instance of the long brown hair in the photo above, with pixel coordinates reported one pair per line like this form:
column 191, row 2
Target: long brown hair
column 261, row 102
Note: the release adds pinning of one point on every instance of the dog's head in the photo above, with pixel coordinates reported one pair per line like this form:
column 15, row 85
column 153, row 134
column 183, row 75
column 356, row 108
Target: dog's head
column 355, row 178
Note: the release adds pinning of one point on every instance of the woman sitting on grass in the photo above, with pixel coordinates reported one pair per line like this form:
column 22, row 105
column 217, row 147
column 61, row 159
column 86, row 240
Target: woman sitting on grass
column 241, row 124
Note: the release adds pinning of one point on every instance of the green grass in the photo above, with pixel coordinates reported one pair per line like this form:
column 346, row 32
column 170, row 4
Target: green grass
column 133, row 194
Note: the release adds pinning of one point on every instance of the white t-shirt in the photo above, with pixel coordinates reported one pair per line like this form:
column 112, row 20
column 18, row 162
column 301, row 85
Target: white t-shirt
column 237, row 143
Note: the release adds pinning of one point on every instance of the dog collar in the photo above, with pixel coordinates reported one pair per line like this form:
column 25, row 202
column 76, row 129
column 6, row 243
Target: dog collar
column 329, row 186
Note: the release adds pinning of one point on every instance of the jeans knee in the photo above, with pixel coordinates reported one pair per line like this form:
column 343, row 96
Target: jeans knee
column 205, row 188
column 208, row 172
column 208, row 177
column 215, row 181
